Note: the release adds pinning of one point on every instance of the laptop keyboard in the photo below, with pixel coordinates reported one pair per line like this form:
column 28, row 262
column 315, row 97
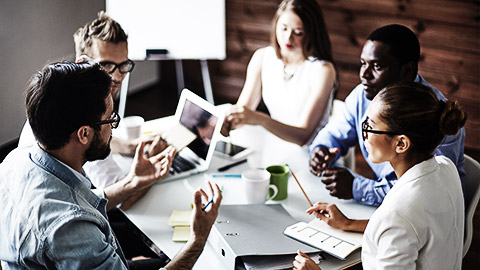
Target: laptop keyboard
column 179, row 164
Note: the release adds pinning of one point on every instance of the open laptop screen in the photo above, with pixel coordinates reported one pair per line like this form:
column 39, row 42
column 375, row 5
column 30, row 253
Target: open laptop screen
column 200, row 122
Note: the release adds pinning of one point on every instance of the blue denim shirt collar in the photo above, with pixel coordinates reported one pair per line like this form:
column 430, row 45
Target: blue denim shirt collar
column 67, row 176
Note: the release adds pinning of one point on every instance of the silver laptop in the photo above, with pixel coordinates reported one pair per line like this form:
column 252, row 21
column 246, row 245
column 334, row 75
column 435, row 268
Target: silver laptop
column 205, row 121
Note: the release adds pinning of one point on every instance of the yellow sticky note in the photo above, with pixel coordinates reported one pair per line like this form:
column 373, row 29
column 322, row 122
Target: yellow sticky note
column 181, row 233
column 180, row 218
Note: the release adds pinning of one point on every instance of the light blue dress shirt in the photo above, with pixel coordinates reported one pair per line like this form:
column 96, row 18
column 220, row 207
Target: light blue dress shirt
column 346, row 131
column 49, row 217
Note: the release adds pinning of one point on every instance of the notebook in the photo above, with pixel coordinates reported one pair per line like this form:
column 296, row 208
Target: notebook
column 318, row 234
column 204, row 120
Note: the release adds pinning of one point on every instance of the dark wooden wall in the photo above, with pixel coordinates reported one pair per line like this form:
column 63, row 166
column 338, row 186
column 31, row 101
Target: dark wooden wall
column 448, row 31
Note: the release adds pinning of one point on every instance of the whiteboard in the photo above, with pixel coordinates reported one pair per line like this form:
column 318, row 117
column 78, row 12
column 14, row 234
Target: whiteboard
column 186, row 29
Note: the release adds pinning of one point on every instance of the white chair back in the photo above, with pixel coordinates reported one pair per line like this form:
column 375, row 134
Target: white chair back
column 472, row 195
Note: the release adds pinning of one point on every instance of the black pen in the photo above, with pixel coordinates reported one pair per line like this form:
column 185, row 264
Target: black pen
column 226, row 167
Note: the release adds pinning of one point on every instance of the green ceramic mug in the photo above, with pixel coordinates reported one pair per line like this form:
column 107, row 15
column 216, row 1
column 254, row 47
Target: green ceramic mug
column 279, row 175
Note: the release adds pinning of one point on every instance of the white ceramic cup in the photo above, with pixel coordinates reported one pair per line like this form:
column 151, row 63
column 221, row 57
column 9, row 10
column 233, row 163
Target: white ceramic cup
column 132, row 126
column 256, row 183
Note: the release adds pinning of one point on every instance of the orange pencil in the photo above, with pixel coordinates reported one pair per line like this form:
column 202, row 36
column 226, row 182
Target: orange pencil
column 300, row 187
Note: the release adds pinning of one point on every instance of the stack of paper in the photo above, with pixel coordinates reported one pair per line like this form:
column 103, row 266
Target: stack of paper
column 180, row 221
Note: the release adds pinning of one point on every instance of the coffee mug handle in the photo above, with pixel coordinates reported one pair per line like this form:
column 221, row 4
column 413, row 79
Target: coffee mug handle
column 275, row 191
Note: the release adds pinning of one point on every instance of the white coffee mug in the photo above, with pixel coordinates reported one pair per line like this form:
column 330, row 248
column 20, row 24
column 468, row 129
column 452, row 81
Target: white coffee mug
column 256, row 183
column 132, row 126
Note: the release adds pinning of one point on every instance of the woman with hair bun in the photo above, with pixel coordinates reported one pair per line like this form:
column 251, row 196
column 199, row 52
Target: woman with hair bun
column 420, row 223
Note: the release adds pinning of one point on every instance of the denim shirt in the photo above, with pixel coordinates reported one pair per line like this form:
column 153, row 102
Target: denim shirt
column 347, row 131
column 50, row 219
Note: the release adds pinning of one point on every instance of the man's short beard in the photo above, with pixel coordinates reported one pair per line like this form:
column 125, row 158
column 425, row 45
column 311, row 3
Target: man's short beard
column 97, row 149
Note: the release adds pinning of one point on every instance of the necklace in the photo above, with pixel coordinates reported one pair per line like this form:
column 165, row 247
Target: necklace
column 288, row 73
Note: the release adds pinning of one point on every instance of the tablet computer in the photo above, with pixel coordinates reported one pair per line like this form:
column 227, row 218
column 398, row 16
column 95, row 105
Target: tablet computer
column 231, row 151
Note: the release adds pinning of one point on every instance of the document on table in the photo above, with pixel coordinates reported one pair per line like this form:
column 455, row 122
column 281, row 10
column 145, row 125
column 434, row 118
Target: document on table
column 318, row 234
column 179, row 136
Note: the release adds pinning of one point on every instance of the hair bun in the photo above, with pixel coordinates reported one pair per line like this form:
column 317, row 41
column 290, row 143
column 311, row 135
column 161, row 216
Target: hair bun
column 452, row 117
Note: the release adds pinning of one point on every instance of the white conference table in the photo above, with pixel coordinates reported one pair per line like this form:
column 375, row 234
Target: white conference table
column 152, row 212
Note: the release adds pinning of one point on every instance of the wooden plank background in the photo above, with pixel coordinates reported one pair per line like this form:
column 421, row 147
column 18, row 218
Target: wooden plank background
column 448, row 31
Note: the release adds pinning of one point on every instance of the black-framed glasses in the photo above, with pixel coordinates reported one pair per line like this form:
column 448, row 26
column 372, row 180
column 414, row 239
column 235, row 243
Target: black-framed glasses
column 124, row 67
column 366, row 128
column 113, row 121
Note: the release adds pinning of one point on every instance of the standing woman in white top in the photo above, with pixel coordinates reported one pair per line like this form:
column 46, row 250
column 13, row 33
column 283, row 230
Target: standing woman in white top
column 420, row 223
column 295, row 76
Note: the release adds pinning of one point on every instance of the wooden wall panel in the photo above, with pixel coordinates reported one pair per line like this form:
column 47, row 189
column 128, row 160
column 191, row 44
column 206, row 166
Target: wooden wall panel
column 449, row 33
column 430, row 33
column 447, row 11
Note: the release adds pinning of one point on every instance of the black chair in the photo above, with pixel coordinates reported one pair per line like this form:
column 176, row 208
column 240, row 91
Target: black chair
column 7, row 148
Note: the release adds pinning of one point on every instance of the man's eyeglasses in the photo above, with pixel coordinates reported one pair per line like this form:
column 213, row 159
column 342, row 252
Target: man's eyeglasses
column 113, row 121
column 366, row 128
column 123, row 67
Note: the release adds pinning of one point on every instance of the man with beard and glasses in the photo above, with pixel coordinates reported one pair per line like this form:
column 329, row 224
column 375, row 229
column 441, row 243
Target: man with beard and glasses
column 99, row 149
column 51, row 218
column 390, row 55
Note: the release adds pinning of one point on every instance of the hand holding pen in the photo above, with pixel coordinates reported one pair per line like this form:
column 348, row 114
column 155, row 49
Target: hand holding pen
column 330, row 214
column 209, row 202
column 312, row 209
column 204, row 215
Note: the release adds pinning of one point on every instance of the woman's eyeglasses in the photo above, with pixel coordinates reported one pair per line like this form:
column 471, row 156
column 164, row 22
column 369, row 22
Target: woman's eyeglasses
column 366, row 128
column 113, row 121
column 123, row 67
